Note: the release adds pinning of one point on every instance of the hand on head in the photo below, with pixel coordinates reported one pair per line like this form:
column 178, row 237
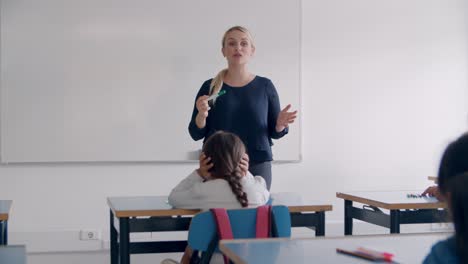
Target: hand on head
column 285, row 118
column 244, row 164
column 205, row 166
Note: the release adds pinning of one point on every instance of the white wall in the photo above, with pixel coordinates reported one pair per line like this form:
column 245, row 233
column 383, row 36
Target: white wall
column 384, row 88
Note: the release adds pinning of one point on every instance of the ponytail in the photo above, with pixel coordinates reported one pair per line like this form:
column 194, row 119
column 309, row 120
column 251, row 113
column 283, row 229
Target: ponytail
column 217, row 83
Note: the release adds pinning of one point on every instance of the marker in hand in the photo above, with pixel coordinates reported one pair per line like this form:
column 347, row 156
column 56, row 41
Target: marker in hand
column 214, row 96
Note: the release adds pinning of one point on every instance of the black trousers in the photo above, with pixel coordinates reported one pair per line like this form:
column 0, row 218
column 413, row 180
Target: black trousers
column 261, row 169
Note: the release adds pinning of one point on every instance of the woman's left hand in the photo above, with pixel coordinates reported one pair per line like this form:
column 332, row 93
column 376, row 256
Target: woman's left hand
column 285, row 118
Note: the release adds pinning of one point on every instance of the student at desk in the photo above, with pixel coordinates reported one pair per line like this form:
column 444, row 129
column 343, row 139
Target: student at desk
column 226, row 186
column 453, row 180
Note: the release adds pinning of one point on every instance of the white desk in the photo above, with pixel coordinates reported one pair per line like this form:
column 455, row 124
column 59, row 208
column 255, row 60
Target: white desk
column 403, row 209
column 13, row 254
column 408, row 248
column 130, row 214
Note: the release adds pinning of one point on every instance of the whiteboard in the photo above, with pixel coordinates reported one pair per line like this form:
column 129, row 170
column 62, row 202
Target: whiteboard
column 116, row 80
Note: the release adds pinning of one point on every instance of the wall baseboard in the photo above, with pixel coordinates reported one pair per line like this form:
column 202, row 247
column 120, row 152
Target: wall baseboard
column 53, row 241
column 69, row 240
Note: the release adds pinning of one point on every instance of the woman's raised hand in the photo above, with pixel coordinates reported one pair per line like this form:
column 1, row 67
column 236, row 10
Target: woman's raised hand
column 203, row 108
column 202, row 105
column 285, row 118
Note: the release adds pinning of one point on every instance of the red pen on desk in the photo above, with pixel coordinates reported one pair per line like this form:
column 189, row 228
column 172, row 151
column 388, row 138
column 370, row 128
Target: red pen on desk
column 368, row 254
column 381, row 255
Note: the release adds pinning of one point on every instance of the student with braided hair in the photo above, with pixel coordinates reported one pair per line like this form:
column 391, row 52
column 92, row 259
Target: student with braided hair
column 226, row 185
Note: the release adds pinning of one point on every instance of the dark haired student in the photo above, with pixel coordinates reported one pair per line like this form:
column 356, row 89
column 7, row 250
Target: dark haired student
column 453, row 183
column 227, row 185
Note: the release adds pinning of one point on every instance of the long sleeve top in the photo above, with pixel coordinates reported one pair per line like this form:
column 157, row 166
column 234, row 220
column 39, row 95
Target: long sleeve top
column 250, row 112
column 443, row 252
column 194, row 192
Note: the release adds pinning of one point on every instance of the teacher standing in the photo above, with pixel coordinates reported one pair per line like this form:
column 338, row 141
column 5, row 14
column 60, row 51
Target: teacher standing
column 250, row 107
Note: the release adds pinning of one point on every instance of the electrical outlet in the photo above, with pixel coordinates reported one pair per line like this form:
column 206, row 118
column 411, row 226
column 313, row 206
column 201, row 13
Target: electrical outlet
column 90, row 234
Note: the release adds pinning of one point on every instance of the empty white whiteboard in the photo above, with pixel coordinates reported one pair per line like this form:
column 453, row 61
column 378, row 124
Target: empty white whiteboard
column 115, row 80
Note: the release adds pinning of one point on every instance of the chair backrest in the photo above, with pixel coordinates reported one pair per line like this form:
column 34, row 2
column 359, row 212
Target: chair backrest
column 243, row 223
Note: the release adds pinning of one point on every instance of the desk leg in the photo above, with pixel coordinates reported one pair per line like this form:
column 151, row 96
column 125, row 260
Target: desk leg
column 124, row 233
column 4, row 232
column 394, row 221
column 320, row 228
column 348, row 220
column 114, row 246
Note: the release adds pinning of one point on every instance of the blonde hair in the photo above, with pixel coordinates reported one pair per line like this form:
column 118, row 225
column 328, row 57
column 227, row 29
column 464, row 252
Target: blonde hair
column 217, row 81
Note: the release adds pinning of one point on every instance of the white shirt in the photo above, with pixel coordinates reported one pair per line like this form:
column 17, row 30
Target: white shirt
column 195, row 193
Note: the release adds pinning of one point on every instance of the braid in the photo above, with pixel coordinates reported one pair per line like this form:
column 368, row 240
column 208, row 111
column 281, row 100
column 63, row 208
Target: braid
column 236, row 187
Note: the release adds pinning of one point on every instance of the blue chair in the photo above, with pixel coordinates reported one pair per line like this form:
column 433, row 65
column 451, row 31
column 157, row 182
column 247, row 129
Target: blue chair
column 203, row 235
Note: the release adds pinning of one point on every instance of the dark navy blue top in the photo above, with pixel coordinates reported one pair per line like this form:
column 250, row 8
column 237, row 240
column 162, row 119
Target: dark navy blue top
column 249, row 112
column 443, row 252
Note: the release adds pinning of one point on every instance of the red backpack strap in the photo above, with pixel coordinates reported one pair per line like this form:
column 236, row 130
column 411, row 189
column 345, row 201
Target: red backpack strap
column 223, row 225
column 222, row 222
column 263, row 224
